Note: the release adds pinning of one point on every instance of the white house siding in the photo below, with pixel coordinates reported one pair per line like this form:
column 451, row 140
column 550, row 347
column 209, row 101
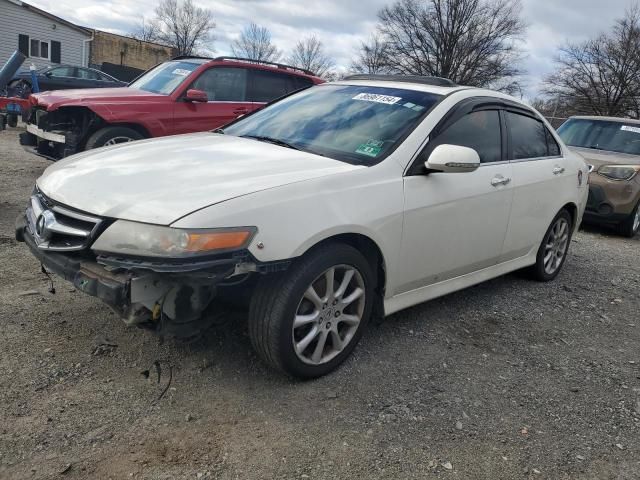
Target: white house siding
column 16, row 20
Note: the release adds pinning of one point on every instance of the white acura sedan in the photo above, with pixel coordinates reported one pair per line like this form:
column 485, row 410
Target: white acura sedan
column 347, row 200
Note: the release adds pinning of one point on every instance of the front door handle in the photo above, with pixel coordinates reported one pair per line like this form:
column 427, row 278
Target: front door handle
column 500, row 180
column 558, row 170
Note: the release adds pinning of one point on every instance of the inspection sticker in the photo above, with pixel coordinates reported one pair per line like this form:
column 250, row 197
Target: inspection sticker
column 628, row 128
column 374, row 97
column 371, row 149
column 181, row 71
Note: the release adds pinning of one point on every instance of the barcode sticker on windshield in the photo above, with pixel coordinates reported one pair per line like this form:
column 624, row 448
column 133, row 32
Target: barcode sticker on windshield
column 628, row 128
column 181, row 71
column 374, row 97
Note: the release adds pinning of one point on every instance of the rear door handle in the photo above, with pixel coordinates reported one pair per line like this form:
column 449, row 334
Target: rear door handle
column 558, row 170
column 500, row 180
column 241, row 111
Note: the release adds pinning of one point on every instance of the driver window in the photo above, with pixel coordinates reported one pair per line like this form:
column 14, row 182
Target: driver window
column 478, row 130
column 223, row 84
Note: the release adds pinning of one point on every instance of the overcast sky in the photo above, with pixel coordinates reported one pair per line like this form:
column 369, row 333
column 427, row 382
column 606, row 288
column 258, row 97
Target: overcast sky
column 342, row 24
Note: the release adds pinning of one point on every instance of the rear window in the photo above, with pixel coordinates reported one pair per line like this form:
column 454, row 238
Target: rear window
column 165, row 78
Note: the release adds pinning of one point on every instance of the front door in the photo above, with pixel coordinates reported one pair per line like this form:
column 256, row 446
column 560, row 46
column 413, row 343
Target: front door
column 226, row 89
column 456, row 223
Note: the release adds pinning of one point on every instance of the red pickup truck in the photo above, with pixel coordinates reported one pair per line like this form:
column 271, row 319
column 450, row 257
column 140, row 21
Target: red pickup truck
column 186, row 94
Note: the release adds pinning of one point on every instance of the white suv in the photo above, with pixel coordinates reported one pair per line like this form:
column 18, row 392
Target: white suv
column 347, row 200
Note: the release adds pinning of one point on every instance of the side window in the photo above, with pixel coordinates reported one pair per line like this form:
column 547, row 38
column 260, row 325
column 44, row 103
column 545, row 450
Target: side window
column 528, row 136
column 478, row 130
column 86, row 74
column 301, row 82
column 223, row 84
column 63, row 72
column 553, row 149
column 267, row 86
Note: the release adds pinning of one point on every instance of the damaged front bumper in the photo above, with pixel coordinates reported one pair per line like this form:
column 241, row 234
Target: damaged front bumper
column 167, row 297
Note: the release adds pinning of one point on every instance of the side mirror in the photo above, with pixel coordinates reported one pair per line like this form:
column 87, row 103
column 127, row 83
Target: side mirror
column 453, row 159
column 194, row 95
column 48, row 74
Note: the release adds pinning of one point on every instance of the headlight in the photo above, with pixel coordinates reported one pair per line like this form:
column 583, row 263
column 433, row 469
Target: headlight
column 619, row 172
column 145, row 240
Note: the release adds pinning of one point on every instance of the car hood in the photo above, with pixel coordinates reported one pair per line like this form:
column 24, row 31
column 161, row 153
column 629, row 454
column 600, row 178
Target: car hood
column 161, row 180
column 82, row 96
column 597, row 158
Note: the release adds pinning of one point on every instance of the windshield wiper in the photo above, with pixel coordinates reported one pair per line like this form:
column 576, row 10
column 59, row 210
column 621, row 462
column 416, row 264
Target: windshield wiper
column 275, row 141
column 218, row 130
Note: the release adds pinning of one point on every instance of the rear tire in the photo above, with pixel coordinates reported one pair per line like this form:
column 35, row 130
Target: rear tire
column 630, row 227
column 302, row 327
column 112, row 136
column 553, row 249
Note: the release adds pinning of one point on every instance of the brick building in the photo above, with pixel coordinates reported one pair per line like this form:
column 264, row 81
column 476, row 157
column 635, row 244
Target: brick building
column 112, row 49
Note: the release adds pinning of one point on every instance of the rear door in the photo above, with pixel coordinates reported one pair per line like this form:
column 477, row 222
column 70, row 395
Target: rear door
column 455, row 223
column 226, row 89
column 540, row 176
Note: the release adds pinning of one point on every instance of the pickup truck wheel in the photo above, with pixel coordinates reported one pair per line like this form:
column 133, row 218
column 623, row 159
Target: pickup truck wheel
column 307, row 321
column 553, row 249
column 631, row 225
column 112, row 136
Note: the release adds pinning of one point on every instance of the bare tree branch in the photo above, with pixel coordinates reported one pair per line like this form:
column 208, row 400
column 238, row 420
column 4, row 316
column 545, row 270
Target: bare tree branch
column 183, row 25
column 309, row 54
column 146, row 31
column 255, row 43
column 373, row 56
column 601, row 76
column 472, row 42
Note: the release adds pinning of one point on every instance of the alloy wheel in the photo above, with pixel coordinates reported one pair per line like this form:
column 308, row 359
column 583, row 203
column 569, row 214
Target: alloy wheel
column 556, row 245
column 636, row 220
column 117, row 140
column 329, row 314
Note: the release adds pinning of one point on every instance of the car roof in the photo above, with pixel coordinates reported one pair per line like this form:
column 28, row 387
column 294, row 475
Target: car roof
column 404, row 85
column 247, row 62
column 606, row 119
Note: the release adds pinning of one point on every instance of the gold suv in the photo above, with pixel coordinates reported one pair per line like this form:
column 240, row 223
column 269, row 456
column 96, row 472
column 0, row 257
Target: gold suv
column 612, row 147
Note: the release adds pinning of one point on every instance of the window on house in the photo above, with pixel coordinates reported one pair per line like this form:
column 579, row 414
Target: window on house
column 39, row 49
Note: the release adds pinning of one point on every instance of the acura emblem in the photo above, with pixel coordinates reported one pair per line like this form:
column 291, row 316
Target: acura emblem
column 44, row 221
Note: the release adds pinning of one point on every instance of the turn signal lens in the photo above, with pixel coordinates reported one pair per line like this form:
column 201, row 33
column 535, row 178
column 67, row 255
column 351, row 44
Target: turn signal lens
column 198, row 242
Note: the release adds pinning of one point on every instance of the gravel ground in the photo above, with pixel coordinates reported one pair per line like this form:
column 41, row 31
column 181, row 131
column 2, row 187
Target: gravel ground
column 509, row 379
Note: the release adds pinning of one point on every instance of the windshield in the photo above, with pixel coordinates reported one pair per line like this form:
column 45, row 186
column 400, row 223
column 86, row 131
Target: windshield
column 601, row 135
column 355, row 124
column 164, row 78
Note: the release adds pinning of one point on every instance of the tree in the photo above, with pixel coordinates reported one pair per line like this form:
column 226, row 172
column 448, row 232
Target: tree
column 309, row 54
column 255, row 43
column 472, row 42
column 601, row 76
column 373, row 56
column 182, row 25
column 146, row 31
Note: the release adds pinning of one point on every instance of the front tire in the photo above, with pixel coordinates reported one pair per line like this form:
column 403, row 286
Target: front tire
column 307, row 320
column 108, row 136
column 630, row 227
column 554, row 248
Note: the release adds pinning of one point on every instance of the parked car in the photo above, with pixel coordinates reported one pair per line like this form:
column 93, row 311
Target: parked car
column 347, row 200
column 62, row 77
column 612, row 146
column 185, row 95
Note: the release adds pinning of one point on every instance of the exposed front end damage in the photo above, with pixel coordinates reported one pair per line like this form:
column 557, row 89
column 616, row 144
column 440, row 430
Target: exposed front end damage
column 58, row 133
column 173, row 298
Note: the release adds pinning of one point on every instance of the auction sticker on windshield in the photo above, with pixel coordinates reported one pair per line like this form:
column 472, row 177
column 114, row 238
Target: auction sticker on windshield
column 628, row 128
column 374, row 97
column 181, row 71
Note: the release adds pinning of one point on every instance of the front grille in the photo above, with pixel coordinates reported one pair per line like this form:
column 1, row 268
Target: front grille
column 58, row 228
